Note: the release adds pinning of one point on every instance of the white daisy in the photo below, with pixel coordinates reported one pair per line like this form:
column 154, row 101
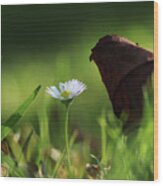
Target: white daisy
column 67, row 90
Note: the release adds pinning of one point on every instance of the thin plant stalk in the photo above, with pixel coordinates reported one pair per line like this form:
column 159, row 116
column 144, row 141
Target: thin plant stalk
column 67, row 137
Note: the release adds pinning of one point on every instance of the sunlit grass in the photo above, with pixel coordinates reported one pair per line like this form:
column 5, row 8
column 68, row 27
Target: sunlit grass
column 117, row 157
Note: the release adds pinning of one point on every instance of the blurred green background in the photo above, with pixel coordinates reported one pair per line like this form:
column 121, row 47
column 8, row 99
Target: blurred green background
column 46, row 44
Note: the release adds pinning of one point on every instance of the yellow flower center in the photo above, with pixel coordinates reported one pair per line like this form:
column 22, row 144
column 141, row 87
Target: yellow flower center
column 65, row 94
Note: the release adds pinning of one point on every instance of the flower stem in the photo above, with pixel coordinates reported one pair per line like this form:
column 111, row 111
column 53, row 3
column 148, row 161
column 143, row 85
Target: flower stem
column 67, row 137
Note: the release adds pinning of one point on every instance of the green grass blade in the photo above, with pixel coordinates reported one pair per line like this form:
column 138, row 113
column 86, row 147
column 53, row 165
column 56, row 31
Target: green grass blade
column 44, row 127
column 12, row 121
column 12, row 169
column 25, row 146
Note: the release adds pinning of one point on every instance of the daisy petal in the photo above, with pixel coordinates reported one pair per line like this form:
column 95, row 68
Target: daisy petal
column 61, row 87
column 56, row 91
column 50, row 92
column 53, row 91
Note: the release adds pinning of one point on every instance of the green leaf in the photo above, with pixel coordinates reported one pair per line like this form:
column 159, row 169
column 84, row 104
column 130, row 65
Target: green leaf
column 5, row 131
column 12, row 121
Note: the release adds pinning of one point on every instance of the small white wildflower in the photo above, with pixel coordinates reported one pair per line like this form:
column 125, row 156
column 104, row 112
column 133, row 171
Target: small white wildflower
column 55, row 154
column 67, row 90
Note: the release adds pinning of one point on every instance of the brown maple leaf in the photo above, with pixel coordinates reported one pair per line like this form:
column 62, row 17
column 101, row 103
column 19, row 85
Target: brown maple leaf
column 124, row 67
